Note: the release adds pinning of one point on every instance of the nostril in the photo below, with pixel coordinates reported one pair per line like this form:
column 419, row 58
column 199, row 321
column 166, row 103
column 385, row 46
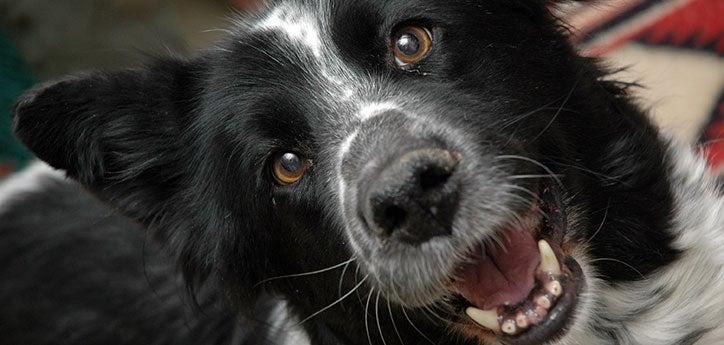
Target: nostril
column 393, row 218
column 438, row 169
column 434, row 177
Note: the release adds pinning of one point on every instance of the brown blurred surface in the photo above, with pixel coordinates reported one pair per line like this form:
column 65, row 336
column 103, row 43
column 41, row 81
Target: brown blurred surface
column 62, row 36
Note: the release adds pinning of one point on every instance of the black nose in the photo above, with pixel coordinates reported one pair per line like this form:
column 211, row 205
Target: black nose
column 414, row 198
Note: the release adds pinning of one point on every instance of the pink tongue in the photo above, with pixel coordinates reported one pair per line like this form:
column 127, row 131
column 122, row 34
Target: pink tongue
column 503, row 276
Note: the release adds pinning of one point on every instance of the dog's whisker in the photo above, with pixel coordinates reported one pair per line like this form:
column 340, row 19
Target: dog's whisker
column 394, row 324
column 555, row 116
column 428, row 315
column 356, row 277
column 404, row 312
column 528, row 203
column 333, row 303
column 306, row 273
column 529, row 177
column 341, row 279
column 377, row 317
column 605, row 216
column 436, row 315
column 407, row 317
column 622, row 263
column 535, row 162
column 367, row 325
column 524, row 116
column 594, row 173
column 533, row 196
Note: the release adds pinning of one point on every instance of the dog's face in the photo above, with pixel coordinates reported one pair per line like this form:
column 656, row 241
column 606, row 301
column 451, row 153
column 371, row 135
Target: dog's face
column 455, row 163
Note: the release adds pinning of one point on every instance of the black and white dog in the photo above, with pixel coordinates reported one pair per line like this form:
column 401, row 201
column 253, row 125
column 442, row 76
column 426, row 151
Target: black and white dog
column 360, row 172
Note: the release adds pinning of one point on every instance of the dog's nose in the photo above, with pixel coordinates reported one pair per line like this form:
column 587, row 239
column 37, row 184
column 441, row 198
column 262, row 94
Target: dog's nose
column 414, row 198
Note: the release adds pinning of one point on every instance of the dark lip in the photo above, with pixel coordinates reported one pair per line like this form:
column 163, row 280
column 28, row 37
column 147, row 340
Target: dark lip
column 559, row 318
column 556, row 323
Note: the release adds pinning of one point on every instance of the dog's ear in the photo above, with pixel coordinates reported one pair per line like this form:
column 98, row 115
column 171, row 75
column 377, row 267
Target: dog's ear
column 117, row 133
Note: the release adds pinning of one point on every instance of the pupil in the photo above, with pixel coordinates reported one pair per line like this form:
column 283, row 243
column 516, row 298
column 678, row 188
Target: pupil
column 408, row 44
column 291, row 162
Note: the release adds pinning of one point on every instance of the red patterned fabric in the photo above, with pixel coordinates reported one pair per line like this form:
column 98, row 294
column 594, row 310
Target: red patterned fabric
column 697, row 26
column 713, row 138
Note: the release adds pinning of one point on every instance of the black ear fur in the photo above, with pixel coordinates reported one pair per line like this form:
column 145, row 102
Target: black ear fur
column 117, row 133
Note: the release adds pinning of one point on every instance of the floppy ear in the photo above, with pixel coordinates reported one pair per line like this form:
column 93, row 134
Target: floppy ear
column 117, row 133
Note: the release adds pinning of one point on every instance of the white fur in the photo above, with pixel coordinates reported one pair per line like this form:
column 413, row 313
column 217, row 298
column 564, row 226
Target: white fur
column 286, row 325
column 371, row 110
column 28, row 180
column 365, row 113
column 299, row 27
column 303, row 29
column 692, row 287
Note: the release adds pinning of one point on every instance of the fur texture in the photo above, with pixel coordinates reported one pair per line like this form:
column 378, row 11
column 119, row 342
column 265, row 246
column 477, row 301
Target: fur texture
column 184, row 149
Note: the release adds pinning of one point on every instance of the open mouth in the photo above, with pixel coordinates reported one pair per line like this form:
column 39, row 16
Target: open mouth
column 524, row 289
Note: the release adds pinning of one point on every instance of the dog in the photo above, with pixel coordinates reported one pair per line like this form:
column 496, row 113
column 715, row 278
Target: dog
column 360, row 172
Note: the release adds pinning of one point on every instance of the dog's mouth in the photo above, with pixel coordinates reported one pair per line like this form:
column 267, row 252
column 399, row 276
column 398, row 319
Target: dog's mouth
column 524, row 289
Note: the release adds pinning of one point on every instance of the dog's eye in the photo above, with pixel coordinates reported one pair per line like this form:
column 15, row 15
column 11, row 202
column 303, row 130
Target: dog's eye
column 289, row 168
column 411, row 44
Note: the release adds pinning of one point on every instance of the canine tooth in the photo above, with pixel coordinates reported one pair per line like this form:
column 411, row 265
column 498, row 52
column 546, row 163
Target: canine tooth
column 509, row 327
column 548, row 261
column 485, row 318
column 555, row 288
column 543, row 301
column 521, row 320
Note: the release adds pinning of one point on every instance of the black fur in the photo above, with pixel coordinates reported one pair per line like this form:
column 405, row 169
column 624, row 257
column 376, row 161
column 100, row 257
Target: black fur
column 183, row 147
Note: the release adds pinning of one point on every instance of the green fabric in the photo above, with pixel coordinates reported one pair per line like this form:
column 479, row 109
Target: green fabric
column 15, row 77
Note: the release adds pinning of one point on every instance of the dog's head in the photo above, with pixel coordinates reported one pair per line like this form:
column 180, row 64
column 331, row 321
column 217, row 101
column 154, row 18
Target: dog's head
column 453, row 163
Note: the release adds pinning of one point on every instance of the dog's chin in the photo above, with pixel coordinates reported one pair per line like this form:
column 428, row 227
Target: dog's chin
column 521, row 287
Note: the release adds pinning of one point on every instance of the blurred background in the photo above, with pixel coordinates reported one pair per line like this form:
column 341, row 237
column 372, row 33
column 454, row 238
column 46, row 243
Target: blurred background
column 673, row 48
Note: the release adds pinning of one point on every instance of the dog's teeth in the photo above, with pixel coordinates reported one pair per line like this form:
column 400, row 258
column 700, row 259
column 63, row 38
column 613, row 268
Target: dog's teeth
column 543, row 301
column 485, row 318
column 534, row 317
column 555, row 288
column 509, row 327
column 548, row 260
column 541, row 313
column 521, row 320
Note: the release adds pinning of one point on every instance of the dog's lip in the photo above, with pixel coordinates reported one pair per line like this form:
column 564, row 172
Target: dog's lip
column 558, row 317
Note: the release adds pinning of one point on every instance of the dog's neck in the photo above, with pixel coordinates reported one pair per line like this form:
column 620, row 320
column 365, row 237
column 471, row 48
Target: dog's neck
column 682, row 303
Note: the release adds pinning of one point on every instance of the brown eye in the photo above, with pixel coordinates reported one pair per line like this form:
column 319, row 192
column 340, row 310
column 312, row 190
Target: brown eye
column 411, row 44
column 289, row 168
